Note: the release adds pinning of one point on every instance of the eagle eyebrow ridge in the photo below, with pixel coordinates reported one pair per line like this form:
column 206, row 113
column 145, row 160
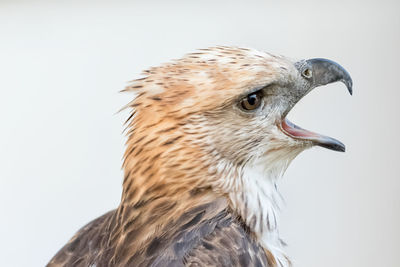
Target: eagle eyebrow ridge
column 256, row 89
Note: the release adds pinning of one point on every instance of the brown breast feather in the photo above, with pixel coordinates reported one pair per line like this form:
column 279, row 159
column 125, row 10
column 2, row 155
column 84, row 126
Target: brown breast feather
column 202, row 236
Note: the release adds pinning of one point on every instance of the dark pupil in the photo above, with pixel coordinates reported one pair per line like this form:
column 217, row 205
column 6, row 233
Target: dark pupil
column 252, row 99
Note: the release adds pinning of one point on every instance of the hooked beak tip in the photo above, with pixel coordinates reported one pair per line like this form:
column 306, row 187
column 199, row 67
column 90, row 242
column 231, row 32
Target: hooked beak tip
column 349, row 85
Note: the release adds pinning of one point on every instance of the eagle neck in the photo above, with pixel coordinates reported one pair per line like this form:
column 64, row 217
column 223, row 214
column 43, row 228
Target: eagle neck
column 253, row 194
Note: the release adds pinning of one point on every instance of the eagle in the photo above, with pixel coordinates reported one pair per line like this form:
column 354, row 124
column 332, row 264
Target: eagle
column 207, row 141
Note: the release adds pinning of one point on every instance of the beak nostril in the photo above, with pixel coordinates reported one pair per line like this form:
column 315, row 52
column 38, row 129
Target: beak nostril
column 307, row 73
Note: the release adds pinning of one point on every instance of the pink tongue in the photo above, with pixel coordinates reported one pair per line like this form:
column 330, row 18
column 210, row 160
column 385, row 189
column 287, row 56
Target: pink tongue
column 295, row 131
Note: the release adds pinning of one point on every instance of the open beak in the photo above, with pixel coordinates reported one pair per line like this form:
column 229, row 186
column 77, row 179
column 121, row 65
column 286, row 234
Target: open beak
column 317, row 72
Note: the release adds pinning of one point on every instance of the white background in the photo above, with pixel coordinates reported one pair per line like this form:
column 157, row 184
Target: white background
column 61, row 144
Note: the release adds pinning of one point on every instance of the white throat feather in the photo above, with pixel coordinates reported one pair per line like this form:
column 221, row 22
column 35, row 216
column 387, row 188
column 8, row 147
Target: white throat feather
column 253, row 193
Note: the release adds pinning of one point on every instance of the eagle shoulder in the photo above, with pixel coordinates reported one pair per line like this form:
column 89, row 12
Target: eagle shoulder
column 201, row 236
column 84, row 247
column 220, row 240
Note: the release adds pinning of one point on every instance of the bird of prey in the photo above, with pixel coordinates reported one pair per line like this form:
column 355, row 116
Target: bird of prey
column 207, row 141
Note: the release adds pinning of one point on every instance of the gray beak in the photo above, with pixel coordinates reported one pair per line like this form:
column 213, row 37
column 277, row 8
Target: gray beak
column 318, row 72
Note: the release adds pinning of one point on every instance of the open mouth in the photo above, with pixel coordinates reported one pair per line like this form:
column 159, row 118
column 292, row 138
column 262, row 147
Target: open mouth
column 318, row 72
column 296, row 132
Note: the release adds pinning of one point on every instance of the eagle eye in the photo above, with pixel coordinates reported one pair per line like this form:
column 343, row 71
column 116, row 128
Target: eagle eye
column 251, row 101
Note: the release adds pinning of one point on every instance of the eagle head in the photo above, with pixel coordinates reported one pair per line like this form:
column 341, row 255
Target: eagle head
column 215, row 122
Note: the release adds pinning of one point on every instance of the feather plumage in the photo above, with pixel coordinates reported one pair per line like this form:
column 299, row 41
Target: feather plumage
column 200, row 172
